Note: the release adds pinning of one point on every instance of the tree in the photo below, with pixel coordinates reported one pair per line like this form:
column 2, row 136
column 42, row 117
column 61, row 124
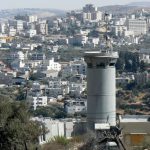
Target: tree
column 128, row 61
column 142, row 66
column 17, row 131
column 128, row 65
column 136, row 62
column 53, row 111
column 120, row 64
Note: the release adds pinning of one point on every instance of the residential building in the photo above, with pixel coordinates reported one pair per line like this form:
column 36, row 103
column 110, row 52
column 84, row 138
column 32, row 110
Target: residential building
column 68, row 71
column 75, row 106
column 128, row 33
column 55, row 83
column 40, row 101
column 75, row 89
column 38, row 56
column 32, row 18
column 42, row 28
column 3, row 28
column 144, row 55
column 50, row 73
column 136, row 130
column 53, row 65
column 78, row 39
column 19, row 25
column 12, row 31
column 120, row 21
column 73, row 68
column 139, row 26
column 79, row 67
column 54, row 92
column 119, row 30
column 31, row 33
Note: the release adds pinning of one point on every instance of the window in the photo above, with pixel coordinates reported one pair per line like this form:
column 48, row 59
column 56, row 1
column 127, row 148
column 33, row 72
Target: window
column 112, row 64
column 100, row 65
column 82, row 104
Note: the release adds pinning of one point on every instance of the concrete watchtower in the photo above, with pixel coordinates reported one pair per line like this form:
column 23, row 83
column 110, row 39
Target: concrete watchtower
column 101, row 87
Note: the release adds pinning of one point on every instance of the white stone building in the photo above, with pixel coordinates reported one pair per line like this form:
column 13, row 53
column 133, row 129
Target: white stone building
column 42, row 28
column 139, row 26
column 19, row 25
column 39, row 101
column 31, row 33
column 3, row 28
column 32, row 18
column 128, row 33
column 53, row 65
column 119, row 30
column 66, row 128
column 20, row 55
column 12, row 31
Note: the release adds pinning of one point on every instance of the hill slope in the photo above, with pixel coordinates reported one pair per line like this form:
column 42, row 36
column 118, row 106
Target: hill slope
column 140, row 4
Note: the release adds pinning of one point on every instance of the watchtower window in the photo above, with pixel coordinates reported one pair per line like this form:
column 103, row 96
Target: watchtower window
column 112, row 64
column 100, row 65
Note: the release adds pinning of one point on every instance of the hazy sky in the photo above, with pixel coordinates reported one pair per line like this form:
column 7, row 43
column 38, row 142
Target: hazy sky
column 58, row 4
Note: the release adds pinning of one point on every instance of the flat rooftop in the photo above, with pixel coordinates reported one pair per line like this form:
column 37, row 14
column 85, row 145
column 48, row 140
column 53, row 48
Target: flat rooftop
column 104, row 54
column 134, row 118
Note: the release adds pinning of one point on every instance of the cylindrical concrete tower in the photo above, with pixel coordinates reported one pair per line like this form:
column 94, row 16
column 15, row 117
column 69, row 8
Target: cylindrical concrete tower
column 101, row 87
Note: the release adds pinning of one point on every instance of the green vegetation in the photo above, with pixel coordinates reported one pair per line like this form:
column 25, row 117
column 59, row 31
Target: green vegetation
column 61, row 143
column 53, row 111
column 128, row 61
column 60, row 140
column 57, row 143
column 17, row 131
column 13, row 93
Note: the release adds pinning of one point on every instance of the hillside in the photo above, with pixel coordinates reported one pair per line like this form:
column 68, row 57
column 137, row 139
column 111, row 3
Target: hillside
column 140, row 4
column 124, row 9
column 10, row 13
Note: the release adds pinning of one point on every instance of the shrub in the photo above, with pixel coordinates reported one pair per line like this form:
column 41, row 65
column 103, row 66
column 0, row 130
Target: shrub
column 60, row 140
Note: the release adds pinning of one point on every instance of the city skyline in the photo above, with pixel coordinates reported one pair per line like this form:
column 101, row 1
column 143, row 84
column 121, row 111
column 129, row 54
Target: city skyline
column 63, row 5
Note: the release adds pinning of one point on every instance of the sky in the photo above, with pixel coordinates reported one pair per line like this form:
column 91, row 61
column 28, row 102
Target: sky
column 59, row 4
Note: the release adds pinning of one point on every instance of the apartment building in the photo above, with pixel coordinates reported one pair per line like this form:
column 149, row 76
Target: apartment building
column 139, row 26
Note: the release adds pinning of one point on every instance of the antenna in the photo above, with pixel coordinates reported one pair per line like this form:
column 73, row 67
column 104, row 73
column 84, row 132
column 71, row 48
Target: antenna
column 107, row 119
column 106, row 37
